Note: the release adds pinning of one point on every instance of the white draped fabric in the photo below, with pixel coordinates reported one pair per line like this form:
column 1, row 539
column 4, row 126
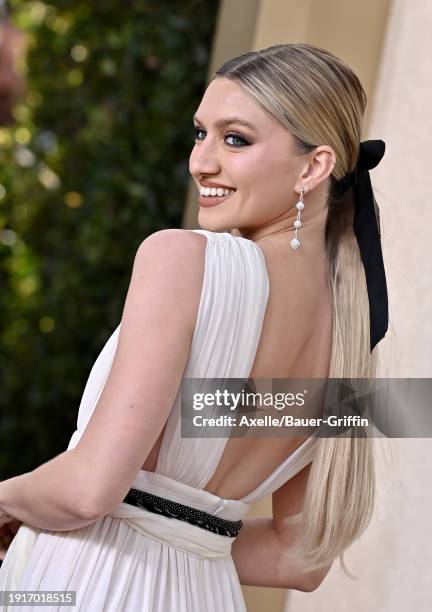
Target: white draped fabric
column 136, row 560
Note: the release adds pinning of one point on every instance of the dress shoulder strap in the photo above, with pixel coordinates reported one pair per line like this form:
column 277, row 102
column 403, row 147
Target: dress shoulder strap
column 293, row 464
column 232, row 307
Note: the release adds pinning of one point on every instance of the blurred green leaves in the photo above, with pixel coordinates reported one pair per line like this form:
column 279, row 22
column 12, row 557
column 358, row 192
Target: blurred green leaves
column 96, row 161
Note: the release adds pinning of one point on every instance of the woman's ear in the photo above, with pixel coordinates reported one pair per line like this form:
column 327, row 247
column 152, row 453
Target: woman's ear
column 320, row 165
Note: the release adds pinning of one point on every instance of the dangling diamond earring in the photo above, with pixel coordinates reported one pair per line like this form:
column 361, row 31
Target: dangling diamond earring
column 295, row 243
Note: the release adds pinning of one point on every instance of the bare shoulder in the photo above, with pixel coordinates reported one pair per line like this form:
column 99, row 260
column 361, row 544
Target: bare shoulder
column 172, row 261
column 180, row 244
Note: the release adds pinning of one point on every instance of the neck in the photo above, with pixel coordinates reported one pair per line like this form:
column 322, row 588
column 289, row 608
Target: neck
column 280, row 231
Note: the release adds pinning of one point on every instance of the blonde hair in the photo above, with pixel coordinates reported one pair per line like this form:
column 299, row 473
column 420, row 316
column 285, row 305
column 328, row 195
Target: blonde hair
column 320, row 100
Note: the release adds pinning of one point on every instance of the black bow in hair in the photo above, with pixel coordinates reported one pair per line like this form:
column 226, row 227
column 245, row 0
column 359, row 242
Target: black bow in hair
column 368, row 233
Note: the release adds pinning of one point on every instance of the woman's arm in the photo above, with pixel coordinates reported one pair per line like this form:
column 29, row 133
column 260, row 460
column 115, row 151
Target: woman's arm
column 50, row 497
column 261, row 559
column 261, row 550
column 258, row 556
column 85, row 483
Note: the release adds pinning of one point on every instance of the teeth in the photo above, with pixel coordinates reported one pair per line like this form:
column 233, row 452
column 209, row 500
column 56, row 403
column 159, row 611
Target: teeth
column 213, row 191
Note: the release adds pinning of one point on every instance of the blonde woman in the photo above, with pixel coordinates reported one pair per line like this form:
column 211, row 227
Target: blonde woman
column 133, row 516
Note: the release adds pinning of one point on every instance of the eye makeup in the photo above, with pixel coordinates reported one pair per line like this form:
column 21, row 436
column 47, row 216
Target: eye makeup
column 237, row 137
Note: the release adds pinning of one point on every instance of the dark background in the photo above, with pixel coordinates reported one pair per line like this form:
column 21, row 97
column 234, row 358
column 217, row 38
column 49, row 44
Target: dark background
column 94, row 159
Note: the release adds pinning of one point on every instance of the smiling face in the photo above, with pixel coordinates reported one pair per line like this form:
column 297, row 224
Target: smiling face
column 256, row 160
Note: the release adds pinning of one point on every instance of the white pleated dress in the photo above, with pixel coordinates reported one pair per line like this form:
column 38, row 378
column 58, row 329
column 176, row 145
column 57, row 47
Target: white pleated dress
column 134, row 560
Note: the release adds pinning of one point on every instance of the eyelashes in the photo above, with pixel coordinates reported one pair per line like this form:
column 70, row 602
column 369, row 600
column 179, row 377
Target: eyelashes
column 242, row 140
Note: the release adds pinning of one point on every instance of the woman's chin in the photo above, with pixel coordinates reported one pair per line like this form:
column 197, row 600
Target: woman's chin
column 213, row 225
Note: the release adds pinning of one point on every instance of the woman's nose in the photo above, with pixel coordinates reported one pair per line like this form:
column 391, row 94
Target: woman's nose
column 203, row 160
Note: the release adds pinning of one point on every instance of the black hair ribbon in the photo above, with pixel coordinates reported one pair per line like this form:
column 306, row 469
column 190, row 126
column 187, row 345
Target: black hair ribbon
column 368, row 233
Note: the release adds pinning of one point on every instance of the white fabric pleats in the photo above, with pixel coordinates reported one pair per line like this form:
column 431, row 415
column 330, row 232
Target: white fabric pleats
column 135, row 560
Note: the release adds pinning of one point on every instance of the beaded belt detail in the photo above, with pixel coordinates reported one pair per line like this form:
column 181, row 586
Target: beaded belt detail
column 172, row 509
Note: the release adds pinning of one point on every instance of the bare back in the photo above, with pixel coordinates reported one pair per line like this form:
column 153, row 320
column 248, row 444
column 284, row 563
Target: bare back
column 294, row 343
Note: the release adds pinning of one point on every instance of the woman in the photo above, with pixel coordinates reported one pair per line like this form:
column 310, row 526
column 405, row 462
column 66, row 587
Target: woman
column 133, row 516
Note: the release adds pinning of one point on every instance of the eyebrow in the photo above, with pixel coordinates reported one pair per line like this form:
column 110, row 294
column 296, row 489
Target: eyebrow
column 221, row 123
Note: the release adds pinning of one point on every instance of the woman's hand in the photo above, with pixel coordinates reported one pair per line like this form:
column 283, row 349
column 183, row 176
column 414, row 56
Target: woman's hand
column 7, row 534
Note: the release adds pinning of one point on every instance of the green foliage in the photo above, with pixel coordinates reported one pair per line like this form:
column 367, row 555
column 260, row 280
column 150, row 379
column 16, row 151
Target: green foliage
column 96, row 161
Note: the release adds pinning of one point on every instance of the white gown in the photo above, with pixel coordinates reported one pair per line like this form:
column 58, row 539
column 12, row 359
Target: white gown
column 134, row 560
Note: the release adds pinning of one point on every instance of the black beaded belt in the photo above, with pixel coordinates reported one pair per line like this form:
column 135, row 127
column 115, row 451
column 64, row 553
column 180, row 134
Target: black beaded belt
column 172, row 509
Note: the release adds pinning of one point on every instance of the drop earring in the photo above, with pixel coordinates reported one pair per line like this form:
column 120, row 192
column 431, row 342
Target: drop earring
column 295, row 242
